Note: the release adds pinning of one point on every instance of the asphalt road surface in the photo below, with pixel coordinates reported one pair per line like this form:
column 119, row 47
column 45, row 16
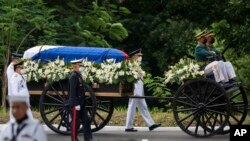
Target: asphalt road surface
column 160, row 134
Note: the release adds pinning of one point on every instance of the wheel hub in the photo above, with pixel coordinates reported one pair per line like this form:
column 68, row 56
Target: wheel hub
column 201, row 107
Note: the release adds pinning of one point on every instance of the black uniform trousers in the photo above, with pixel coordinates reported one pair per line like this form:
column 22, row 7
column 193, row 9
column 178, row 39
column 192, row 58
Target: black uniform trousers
column 80, row 117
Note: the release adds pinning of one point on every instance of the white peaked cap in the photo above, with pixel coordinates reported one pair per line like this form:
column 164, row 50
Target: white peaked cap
column 76, row 61
column 21, row 97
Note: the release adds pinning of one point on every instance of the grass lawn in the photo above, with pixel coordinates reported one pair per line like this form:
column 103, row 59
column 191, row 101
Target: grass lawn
column 119, row 117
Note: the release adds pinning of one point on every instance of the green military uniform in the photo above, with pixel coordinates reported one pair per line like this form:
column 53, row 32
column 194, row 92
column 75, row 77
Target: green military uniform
column 212, row 48
column 201, row 54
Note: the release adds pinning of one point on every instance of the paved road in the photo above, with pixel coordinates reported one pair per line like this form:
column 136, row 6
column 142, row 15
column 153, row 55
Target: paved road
column 160, row 134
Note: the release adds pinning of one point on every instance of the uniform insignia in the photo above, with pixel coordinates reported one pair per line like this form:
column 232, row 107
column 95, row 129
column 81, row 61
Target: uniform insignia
column 6, row 139
column 26, row 136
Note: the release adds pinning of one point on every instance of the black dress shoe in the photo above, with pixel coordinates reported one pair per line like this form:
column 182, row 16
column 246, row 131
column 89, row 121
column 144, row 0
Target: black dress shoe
column 130, row 130
column 154, row 126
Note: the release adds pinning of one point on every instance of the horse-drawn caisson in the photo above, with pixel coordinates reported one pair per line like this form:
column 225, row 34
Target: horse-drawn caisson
column 201, row 107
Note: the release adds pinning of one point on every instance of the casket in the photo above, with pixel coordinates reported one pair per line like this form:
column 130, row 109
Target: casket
column 47, row 53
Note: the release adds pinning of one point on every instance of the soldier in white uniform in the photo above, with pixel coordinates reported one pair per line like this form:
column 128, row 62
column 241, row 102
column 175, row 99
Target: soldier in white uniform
column 228, row 70
column 18, row 85
column 139, row 103
column 10, row 72
column 22, row 128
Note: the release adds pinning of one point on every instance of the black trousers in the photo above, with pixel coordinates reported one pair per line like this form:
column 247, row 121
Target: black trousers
column 80, row 117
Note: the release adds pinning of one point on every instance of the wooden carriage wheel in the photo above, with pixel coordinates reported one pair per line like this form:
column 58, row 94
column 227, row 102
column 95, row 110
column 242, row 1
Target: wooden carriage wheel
column 239, row 105
column 201, row 107
column 104, row 111
column 54, row 107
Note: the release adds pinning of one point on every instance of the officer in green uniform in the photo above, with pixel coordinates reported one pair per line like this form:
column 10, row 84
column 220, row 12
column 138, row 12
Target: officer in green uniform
column 210, row 41
column 203, row 55
column 201, row 51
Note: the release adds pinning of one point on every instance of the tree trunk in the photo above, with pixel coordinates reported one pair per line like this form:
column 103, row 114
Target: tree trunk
column 4, row 86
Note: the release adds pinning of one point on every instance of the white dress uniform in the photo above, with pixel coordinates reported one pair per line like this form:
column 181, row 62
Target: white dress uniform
column 223, row 71
column 18, row 85
column 10, row 72
column 29, row 130
column 139, row 103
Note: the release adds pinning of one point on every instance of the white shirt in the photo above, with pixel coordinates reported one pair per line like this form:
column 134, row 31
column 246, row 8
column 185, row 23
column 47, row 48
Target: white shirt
column 18, row 85
column 139, row 88
column 10, row 72
column 32, row 131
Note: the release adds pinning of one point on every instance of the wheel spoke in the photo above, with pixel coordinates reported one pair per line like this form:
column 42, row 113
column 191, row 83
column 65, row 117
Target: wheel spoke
column 183, row 102
column 195, row 116
column 234, row 118
column 57, row 93
column 55, row 116
column 189, row 98
column 241, row 103
column 189, row 115
column 210, row 94
column 234, row 96
column 48, row 112
column 62, row 89
column 102, row 109
column 95, row 123
column 197, row 126
column 235, row 110
column 186, row 109
column 54, row 98
column 216, row 105
column 100, row 116
column 60, row 124
column 208, row 121
column 53, row 104
column 215, row 99
column 221, row 113
column 203, row 121
column 215, row 119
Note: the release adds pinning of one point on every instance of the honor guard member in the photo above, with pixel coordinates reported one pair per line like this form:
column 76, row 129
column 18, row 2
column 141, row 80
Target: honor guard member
column 228, row 72
column 10, row 71
column 21, row 128
column 139, row 103
column 202, row 56
column 18, row 85
column 77, row 103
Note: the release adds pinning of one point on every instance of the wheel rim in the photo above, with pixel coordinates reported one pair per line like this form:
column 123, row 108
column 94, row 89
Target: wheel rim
column 201, row 108
column 104, row 111
column 239, row 105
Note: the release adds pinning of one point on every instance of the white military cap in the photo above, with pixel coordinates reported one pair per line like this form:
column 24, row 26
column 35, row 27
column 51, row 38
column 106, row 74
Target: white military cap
column 76, row 61
column 20, row 97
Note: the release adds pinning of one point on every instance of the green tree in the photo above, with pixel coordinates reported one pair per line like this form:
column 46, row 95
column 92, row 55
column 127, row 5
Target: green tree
column 89, row 23
column 19, row 19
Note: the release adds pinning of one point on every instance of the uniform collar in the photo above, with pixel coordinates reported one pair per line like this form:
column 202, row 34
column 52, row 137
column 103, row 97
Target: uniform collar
column 22, row 120
column 26, row 120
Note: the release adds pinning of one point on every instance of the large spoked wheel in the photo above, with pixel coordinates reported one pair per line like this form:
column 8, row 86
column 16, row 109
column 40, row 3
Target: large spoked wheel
column 104, row 111
column 239, row 105
column 201, row 107
column 54, row 108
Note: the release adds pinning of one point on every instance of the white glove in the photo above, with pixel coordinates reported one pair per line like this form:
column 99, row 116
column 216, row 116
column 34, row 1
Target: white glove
column 212, row 52
column 78, row 107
